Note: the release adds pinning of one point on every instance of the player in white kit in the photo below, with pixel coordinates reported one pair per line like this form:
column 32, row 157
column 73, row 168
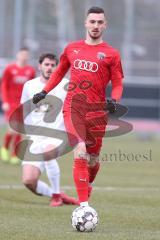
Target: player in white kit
column 32, row 170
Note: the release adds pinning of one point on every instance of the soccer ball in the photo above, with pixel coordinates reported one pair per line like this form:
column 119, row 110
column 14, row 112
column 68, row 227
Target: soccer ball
column 84, row 219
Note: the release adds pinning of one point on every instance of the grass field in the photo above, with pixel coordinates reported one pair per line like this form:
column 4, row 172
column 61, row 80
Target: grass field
column 126, row 197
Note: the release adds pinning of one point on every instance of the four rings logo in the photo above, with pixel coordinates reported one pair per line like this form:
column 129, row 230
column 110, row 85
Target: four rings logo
column 85, row 65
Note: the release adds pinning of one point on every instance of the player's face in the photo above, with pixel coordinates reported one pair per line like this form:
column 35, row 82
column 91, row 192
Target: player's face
column 47, row 67
column 95, row 24
column 22, row 57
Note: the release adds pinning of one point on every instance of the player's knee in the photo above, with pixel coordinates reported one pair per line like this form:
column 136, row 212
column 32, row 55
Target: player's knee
column 30, row 183
column 93, row 160
column 80, row 151
column 50, row 152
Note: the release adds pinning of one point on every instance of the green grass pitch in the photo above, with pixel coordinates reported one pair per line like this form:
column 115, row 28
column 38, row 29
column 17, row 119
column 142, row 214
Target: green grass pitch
column 126, row 197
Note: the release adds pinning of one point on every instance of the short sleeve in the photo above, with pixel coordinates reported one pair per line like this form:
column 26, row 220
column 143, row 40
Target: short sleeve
column 24, row 96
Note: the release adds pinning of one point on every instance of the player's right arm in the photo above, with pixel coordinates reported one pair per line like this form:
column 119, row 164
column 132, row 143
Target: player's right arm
column 55, row 78
column 4, row 89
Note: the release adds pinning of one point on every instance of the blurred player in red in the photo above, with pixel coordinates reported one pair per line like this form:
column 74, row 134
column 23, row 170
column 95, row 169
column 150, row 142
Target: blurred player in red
column 93, row 65
column 13, row 79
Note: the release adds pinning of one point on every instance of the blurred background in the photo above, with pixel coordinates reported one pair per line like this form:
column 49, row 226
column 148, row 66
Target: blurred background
column 133, row 28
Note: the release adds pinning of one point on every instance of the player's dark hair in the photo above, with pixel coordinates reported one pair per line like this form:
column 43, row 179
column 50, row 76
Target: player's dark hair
column 24, row 49
column 95, row 10
column 48, row 55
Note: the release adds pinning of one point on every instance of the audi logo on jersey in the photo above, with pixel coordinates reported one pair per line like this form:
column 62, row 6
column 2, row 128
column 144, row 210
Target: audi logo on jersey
column 85, row 65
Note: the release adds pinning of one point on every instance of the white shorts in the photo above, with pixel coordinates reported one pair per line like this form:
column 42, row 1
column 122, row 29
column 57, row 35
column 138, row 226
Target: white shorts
column 38, row 146
column 39, row 164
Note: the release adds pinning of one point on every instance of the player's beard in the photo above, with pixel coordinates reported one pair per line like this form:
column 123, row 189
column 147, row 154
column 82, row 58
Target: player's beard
column 94, row 37
column 46, row 76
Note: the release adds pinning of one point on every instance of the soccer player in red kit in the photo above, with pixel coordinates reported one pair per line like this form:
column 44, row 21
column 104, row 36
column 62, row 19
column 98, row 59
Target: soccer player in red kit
column 93, row 65
column 13, row 79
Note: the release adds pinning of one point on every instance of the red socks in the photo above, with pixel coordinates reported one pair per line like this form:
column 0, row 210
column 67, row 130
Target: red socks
column 11, row 140
column 92, row 171
column 7, row 139
column 16, row 140
column 83, row 175
column 81, row 179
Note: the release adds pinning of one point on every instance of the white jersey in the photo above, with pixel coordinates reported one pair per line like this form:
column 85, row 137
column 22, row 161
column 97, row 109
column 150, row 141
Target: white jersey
column 36, row 117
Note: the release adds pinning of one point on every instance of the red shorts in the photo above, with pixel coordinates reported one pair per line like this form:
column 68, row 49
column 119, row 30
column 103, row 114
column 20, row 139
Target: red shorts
column 12, row 109
column 15, row 116
column 89, row 129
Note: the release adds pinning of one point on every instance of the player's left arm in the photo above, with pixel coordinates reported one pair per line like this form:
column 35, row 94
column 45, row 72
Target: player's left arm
column 33, row 75
column 116, row 77
column 116, row 81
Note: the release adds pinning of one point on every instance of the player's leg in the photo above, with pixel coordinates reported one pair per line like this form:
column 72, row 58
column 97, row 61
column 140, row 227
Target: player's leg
column 53, row 173
column 16, row 139
column 80, row 173
column 11, row 140
column 96, row 127
column 93, row 162
column 93, row 168
column 31, row 172
column 15, row 122
column 75, row 127
column 8, row 137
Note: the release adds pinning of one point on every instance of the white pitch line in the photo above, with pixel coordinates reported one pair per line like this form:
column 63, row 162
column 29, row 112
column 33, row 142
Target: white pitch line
column 108, row 189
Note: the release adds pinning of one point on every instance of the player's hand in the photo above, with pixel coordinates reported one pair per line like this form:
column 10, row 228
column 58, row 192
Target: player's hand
column 111, row 105
column 5, row 106
column 39, row 96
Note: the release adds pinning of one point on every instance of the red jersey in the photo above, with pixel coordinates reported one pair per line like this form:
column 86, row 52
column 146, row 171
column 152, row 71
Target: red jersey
column 92, row 68
column 13, row 80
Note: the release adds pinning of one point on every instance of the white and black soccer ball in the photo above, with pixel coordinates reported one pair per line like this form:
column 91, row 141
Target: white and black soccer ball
column 84, row 219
